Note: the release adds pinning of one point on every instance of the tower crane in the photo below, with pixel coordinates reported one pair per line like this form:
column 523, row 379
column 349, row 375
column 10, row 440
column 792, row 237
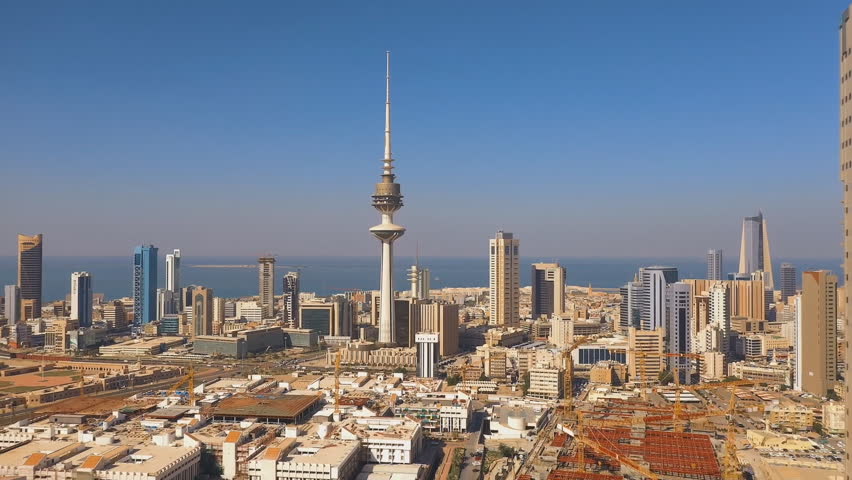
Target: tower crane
column 583, row 441
column 189, row 380
column 569, row 367
column 337, row 386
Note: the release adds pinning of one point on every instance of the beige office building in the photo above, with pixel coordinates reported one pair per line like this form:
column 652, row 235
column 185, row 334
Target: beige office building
column 441, row 318
column 546, row 383
column 747, row 297
column 646, row 354
column 817, row 333
column 846, row 177
column 504, row 280
column 202, row 311
column 266, row 286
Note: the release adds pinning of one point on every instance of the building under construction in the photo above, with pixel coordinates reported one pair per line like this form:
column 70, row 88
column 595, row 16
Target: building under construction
column 667, row 454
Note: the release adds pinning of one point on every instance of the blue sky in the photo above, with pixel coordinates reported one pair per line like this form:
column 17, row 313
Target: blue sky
column 586, row 128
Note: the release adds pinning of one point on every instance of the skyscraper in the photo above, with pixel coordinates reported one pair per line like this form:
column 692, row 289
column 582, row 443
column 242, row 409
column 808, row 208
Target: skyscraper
column 81, row 298
column 29, row 274
column 504, row 279
column 13, row 304
column 714, row 265
column 387, row 199
column 754, row 249
column 652, row 296
column 266, row 286
column 548, row 289
column 788, row 281
column 679, row 324
column 845, row 128
column 144, row 284
column 173, row 271
column 291, row 299
column 720, row 313
column 817, row 333
column 202, row 311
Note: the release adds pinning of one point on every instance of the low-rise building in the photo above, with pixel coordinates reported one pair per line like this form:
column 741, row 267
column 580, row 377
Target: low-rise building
column 790, row 417
column 833, row 417
column 240, row 343
column 438, row 412
column 384, row 439
column 505, row 337
column 139, row 347
column 774, row 374
column 608, row 372
column 516, row 421
column 546, row 383
column 300, row 459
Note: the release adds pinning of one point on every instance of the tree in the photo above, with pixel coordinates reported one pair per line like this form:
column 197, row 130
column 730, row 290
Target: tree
column 453, row 379
column 526, row 385
column 483, row 378
column 400, row 370
column 506, row 451
column 818, row 429
column 832, row 395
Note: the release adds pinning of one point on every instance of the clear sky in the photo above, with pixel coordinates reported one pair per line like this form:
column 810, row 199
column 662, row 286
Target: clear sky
column 586, row 128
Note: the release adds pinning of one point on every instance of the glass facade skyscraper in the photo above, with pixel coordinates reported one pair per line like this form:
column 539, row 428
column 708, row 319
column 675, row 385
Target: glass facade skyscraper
column 144, row 284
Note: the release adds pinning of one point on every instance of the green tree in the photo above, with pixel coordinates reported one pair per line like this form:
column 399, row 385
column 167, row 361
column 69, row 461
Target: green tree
column 483, row 378
column 832, row 395
column 819, row 429
column 400, row 370
column 526, row 385
column 453, row 379
column 506, row 451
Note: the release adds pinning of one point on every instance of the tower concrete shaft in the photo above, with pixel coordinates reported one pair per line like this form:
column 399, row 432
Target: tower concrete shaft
column 387, row 199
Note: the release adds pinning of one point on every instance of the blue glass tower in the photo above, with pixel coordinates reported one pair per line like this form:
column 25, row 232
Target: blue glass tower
column 144, row 284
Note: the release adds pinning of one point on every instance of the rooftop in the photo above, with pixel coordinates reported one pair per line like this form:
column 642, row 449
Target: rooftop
column 276, row 406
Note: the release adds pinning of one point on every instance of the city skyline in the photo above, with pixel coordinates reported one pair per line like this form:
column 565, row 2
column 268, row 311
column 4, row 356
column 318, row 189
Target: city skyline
column 560, row 134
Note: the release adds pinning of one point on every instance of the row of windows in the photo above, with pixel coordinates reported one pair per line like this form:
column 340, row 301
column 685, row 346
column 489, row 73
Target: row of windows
column 846, row 98
column 846, row 76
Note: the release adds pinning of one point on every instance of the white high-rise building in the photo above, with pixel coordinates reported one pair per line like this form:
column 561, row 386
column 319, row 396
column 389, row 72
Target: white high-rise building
column 12, row 304
column 504, row 280
column 173, row 271
column 81, row 298
column 387, row 199
column 714, row 265
column 797, row 342
column 652, row 295
column 720, row 312
column 427, row 354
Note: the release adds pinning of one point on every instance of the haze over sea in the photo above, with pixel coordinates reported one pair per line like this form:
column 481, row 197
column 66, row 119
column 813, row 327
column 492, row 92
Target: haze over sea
column 328, row 275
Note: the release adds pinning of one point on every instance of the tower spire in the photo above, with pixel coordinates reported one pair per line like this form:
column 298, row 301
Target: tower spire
column 388, row 154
